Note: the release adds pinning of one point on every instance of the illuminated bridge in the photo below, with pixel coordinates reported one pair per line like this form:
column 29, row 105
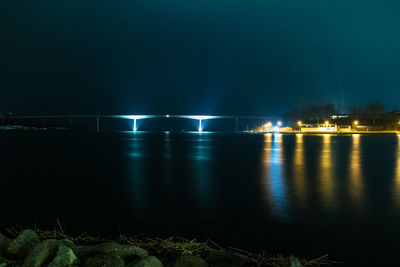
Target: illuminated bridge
column 135, row 118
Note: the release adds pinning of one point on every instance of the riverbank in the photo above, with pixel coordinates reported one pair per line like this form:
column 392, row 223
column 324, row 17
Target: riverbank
column 335, row 133
column 26, row 247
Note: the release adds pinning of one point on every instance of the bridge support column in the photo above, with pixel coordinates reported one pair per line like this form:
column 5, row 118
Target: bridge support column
column 200, row 127
column 134, row 125
column 70, row 122
column 98, row 124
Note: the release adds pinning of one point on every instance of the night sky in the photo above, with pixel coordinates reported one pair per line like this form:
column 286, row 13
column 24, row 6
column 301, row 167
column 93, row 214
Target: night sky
column 196, row 57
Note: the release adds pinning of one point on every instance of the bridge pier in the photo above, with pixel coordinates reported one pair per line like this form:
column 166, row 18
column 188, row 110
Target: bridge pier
column 98, row 124
column 70, row 122
column 200, row 127
column 134, row 125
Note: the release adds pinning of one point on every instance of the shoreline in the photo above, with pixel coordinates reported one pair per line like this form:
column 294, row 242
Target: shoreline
column 26, row 247
column 333, row 133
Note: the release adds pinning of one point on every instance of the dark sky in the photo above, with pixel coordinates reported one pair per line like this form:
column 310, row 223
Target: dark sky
column 196, row 56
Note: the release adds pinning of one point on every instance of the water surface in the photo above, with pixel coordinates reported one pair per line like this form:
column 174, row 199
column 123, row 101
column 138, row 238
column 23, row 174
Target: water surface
column 306, row 194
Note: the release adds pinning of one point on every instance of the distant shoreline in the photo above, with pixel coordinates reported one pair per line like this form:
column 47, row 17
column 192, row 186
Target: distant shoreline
column 35, row 128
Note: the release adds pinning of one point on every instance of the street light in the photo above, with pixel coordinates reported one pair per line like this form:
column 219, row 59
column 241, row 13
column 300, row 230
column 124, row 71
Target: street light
column 355, row 123
column 299, row 123
column 279, row 123
column 326, row 122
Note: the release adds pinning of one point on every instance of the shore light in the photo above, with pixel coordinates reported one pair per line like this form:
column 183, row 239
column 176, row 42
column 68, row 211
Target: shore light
column 279, row 123
column 299, row 123
column 355, row 123
column 326, row 122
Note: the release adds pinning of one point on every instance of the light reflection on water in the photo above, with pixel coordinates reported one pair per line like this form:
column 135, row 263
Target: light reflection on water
column 355, row 176
column 397, row 173
column 299, row 177
column 326, row 174
column 137, row 181
column 201, row 166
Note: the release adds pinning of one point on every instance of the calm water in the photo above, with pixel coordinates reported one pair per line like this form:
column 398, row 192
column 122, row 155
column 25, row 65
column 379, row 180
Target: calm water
column 309, row 195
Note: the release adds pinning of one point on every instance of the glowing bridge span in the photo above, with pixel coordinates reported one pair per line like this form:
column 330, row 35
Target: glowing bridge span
column 200, row 118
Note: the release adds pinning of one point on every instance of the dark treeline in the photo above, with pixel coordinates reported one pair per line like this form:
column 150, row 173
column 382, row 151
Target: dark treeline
column 372, row 114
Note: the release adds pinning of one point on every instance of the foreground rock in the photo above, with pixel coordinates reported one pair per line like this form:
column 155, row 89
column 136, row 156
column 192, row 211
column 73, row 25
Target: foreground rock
column 21, row 245
column 150, row 261
column 111, row 260
column 123, row 251
column 65, row 257
column 41, row 253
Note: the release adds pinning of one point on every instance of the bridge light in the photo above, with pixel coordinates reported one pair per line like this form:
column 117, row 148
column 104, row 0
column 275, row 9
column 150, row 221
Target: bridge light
column 200, row 117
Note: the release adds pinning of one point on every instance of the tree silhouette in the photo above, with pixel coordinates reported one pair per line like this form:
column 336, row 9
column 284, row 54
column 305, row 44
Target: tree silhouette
column 374, row 110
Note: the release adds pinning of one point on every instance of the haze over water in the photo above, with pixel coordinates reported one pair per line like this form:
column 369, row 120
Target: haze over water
column 302, row 194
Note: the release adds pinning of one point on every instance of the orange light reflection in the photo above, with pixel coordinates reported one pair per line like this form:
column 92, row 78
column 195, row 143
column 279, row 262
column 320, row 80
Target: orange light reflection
column 326, row 172
column 356, row 180
column 299, row 171
column 397, row 173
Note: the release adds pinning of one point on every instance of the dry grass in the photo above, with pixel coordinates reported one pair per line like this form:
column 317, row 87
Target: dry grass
column 167, row 250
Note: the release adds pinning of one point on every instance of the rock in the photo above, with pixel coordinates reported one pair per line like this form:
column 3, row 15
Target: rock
column 150, row 261
column 41, row 253
column 123, row 251
column 190, row 261
column 21, row 245
column 292, row 261
column 83, row 252
column 4, row 241
column 225, row 259
column 64, row 257
column 110, row 260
